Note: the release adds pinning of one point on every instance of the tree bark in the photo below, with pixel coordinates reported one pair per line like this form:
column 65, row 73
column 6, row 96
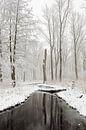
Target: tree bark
column 56, row 68
column 56, row 64
column 75, row 55
column 0, row 57
column 44, row 67
column 60, row 51
column 51, row 55
column 11, row 58
column 14, row 48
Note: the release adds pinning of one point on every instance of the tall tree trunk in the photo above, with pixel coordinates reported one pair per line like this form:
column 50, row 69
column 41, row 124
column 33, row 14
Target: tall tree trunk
column 51, row 55
column 56, row 66
column 56, row 53
column 13, row 66
column 0, row 57
column 15, row 41
column 11, row 58
column 60, row 51
column 75, row 57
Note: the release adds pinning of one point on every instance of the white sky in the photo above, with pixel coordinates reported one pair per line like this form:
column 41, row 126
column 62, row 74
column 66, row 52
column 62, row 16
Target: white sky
column 38, row 5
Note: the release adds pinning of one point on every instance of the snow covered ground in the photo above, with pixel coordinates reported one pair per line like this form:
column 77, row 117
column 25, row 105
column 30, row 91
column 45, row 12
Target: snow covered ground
column 75, row 98
column 12, row 96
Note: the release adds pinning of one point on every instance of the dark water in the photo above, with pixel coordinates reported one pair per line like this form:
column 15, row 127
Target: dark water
column 42, row 112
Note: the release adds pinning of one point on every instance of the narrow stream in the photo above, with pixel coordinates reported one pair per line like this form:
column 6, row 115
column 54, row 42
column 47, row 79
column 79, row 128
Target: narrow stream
column 42, row 112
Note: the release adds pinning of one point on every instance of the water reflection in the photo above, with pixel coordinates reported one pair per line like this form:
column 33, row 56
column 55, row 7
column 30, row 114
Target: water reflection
column 42, row 112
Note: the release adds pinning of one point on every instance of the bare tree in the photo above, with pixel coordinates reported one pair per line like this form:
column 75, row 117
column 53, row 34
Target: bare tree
column 55, row 39
column 15, row 41
column 0, row 57
column 10, row 41
column 1, row 27
column 50, row 29
column 52, row 38
column 63, row 11
column 13, row 47
column 78, row 37
column 56, row 55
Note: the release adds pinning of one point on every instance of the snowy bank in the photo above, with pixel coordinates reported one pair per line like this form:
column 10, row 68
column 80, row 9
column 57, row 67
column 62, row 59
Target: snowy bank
column 12, row 96
column 75, row 98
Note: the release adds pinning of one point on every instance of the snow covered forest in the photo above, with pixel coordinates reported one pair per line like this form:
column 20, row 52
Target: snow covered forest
column 50, row 48
column 42, row 64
